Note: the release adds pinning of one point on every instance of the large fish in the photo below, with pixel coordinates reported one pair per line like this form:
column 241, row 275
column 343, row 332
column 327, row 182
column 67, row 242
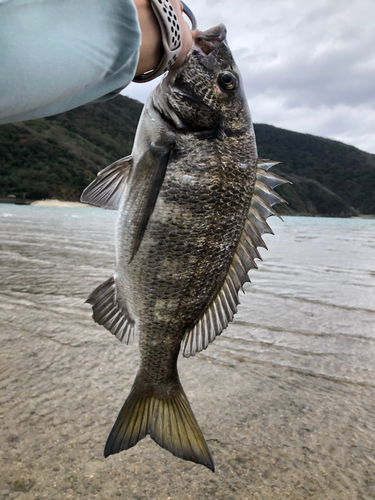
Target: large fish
column 193, row 201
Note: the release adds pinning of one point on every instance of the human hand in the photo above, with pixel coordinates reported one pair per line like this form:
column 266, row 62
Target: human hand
column 151, row 50
column 187, row 36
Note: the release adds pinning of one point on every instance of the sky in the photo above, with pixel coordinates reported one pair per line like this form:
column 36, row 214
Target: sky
column 307, row 66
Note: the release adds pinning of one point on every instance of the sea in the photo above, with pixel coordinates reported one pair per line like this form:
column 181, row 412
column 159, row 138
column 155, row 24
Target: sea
column 307, row 321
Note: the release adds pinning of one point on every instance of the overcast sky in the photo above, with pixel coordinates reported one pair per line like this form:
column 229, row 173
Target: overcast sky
column 307, row 66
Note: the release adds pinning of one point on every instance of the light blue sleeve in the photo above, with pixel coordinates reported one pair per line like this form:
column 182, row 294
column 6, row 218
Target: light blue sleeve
column 56, row 55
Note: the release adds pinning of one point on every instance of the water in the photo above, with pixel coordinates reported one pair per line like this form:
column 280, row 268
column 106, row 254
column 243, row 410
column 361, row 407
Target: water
column 315, row 300
column 285, row 396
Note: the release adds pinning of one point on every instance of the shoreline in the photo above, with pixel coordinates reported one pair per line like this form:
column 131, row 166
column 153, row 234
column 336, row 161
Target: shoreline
column 58, row 203
column 43, row 203
column 75, row 204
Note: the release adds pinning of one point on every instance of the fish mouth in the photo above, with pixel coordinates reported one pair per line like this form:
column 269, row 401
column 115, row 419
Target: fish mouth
column 207, row 41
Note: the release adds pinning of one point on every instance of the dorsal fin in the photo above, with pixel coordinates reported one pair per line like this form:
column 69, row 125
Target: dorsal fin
column 107, row 189
column 223, row 307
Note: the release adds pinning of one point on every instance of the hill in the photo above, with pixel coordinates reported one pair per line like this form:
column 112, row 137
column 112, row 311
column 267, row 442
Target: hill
column 58, row 156
column 346, row 174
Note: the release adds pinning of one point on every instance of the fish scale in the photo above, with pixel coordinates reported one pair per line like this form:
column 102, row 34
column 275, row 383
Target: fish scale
column 193, row 199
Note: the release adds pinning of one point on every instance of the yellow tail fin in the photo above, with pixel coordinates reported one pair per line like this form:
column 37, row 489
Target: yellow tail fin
column 169, row 421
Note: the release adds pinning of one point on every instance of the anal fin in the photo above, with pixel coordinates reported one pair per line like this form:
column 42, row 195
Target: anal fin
column 107, row 312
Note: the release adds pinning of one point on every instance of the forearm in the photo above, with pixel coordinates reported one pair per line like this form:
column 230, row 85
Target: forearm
column 58, row 55
column 151, row 50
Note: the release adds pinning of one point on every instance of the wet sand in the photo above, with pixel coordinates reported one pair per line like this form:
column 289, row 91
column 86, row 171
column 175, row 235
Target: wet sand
column 276, row 431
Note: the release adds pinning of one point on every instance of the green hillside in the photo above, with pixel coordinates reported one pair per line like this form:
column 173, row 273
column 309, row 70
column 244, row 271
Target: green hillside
column 57, row 157
column 344, row 170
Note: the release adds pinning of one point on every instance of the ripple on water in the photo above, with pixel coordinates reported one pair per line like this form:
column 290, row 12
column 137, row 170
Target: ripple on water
column 285, row 396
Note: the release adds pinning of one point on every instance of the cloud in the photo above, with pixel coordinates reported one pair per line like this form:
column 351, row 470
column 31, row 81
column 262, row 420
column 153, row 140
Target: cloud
column 342, row 123
column 306, row 66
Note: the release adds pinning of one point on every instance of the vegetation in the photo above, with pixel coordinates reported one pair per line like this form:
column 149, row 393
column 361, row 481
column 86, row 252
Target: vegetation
column 344, row 170
column 58, row 156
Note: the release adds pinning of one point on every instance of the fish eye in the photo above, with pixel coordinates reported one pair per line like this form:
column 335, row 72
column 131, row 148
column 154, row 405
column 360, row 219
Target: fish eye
column 227, row 81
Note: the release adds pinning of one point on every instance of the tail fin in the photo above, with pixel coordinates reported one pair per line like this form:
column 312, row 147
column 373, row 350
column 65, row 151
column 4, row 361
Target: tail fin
column 169, row 421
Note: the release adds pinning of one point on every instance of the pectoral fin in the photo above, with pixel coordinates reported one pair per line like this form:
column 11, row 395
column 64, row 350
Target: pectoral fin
column 146, row 181
column 108, row 188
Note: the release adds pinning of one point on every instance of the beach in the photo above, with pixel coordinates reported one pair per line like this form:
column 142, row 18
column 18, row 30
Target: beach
column 285, row 396
column 58, row 203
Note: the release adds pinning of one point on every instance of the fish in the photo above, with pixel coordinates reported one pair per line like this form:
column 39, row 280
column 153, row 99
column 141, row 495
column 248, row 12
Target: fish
column 193, row 200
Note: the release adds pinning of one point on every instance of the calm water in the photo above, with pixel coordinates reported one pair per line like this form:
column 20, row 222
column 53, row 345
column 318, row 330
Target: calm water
column 310, row 307
column 307, row 319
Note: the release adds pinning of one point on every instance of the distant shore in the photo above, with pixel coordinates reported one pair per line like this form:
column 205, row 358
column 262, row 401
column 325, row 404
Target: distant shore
column 43, row 203
column 58, row 203
column 72, row 204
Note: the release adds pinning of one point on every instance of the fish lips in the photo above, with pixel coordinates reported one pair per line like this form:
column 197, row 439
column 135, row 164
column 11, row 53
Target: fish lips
column 212, row 43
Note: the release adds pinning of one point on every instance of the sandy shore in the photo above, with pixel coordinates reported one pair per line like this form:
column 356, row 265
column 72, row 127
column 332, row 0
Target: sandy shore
column 57, row 203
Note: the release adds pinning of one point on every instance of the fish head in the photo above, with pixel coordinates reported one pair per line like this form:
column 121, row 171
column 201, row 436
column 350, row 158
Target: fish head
column 206, row 93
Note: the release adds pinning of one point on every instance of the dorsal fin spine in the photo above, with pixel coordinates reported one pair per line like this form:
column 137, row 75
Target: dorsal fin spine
column 207, row 328
column 231, row 285
column 189, row 344
column 193, row 343
column 218, row 324
column 258, row 222
column 227, row 309
column 245, row 256
column 199, row 339
column 253, row 233
column 266, row 164
column 200, row 333
column 239, row 266
column 235, row 277
column 250, row 246
column 221, row 314
column 267, row 194
column 215, row 329
column 229, row 297
column 264, row 208
column 269, row 179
